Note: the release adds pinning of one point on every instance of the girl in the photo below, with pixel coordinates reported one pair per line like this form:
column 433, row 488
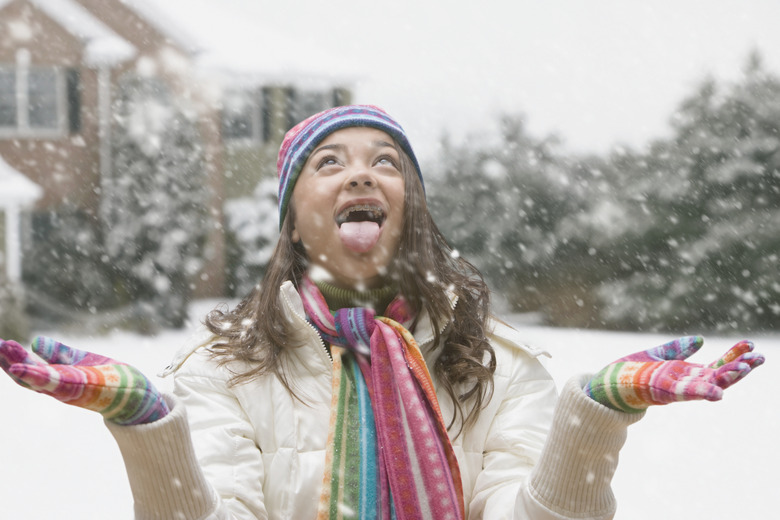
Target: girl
column 365, row 376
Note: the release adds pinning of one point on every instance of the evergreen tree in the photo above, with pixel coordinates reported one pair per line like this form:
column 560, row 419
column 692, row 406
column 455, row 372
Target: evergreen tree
column 253, row 226
column 711, row 255
column 154, row 202
column 71, row 268
column 681, row 235
column 500, row 205
column 13, row 319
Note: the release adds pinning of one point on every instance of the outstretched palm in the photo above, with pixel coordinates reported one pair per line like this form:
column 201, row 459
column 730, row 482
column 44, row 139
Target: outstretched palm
column 660, row 375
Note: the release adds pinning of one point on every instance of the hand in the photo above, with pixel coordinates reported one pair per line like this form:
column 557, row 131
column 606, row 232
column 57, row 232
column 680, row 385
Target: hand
column 660, row 376
column 121, row 393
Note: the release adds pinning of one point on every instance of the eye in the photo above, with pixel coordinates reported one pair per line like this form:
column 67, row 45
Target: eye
column 387, row 160
column 328, row 160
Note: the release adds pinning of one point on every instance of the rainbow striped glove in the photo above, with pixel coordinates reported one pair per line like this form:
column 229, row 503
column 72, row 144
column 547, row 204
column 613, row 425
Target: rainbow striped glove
column 660, row 376
column 119, row 392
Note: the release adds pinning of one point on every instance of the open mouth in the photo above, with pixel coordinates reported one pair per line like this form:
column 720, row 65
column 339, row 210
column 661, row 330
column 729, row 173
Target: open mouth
column 360, row 225
column 361, row 213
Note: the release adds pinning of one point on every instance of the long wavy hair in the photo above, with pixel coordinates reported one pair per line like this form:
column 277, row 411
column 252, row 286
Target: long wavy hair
column 427, row 271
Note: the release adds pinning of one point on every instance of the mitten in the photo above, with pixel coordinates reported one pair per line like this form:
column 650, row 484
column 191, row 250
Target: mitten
column 121, row 393
column 660, row 376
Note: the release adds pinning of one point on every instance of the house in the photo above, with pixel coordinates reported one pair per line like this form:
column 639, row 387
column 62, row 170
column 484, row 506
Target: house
column 61, row 64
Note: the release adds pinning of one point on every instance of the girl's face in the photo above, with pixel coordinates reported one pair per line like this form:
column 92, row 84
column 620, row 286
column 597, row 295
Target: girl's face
column 349, row 207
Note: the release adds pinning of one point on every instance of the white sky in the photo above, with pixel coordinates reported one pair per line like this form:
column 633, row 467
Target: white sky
column 595, row 72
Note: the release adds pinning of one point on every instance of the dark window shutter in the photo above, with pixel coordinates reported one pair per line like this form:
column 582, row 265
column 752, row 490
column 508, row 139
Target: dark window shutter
column 292, row 108
column 74, row 100
column 266, row 107
column 340, row 97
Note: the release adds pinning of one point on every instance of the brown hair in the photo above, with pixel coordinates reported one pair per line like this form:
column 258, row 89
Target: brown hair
column 426, row 269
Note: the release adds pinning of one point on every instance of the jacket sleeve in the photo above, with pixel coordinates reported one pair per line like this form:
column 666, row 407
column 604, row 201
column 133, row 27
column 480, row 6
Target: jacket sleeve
column 545, row 459
column 198, row 462
column 574, row 474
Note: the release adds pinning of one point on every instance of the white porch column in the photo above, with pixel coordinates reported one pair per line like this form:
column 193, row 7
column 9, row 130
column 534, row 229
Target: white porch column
column 104, row 120
column 13, row 244
column 17, row 192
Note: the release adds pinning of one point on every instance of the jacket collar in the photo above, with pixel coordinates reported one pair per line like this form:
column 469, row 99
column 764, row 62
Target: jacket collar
column 306, row 334
column 423, row 333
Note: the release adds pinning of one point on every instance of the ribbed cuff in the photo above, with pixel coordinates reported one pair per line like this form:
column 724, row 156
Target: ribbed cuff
column 574, row 474
column 165, row 477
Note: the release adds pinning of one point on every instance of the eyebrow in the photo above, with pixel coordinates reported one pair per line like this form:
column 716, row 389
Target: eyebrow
column 328, row 147
column 336, row 146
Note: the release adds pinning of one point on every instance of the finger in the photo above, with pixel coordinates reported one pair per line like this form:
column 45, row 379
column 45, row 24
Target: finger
column 754, row 359
column 12, row 352
column 694, row 388
column 685, row 347
column 61, row 381
column 678, row 349
column 741, row 348
column 60, row 354
column 96, row 388
column 730, row 373
column 55, row 352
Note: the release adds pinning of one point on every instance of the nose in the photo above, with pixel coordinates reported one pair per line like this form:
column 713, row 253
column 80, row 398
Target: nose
column 365, row 182
column 361, row 179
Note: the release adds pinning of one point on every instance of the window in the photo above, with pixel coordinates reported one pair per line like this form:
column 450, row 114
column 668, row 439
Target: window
column 32, row 100
column 304, row 103
column 242, row 118
column 42, row 98
column 259, row 115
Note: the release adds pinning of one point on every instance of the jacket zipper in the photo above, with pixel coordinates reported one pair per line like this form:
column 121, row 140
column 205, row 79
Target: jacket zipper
column 442, row 328
column 312, row 327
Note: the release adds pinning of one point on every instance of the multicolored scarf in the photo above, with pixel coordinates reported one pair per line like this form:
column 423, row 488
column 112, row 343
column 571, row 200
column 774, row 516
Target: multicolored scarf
column 389, row 454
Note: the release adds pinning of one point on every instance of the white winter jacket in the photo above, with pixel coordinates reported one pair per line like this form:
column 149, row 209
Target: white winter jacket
column 258, row 452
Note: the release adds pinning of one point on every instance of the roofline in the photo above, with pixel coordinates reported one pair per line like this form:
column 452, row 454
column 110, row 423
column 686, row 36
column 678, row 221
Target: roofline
column 102, row 45
column 28, row 191
column 165, row 24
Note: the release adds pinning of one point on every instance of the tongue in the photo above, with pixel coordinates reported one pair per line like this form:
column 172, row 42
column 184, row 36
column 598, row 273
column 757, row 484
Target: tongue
column 359, row 236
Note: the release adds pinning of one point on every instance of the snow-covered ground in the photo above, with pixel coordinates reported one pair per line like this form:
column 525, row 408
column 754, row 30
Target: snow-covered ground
column 690, row 460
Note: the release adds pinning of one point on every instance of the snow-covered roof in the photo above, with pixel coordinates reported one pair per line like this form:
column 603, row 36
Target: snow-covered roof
column 246, row 48
column 232, row 70
column 223, row 42
column 103, row 46
column 15, row 188
column 166, row 24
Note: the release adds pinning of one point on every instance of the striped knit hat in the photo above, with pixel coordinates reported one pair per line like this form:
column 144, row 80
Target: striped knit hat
column 301, row 140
